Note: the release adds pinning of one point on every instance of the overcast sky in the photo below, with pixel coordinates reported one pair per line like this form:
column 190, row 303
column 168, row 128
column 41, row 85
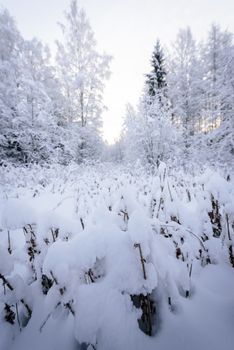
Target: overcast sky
column 126, row 29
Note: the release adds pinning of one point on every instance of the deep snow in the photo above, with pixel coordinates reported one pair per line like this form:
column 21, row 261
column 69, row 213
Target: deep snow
column 103, row 236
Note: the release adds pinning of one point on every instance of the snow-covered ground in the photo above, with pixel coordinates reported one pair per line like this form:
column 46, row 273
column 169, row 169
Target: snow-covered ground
column 111, row 258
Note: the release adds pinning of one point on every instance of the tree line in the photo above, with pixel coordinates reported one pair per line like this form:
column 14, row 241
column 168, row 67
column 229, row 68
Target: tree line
column 51, row 112
column 51, row 109
column 186, row 109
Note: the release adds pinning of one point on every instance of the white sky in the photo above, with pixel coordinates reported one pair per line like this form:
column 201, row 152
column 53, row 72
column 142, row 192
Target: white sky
column 126, row 29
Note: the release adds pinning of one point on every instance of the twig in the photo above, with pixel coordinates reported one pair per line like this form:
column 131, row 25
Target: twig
column 169, row 190
column 52, row 232
column 82, row 223
column 190, row 274
column 137, row 245
column 190, row 270
column 17, row 316
column 27, row 307
column 231, row 256
column 69, row 307
column 228, row 228
column 54, row 278
column 6, row 282
column 59, row 203
column 48, row 316
column 159, row 206
column 9, row 242
column 188, row 230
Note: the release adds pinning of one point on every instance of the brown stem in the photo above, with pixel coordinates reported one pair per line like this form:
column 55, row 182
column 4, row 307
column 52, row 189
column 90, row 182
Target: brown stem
column 231, row 255
column 52, row 232
column 137, row 245
column 228, row 228
column 17, row 316
column 82, row 223
column 9, row 242
column 6, row 282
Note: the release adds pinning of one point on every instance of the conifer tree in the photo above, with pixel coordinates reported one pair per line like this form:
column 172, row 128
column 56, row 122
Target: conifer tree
column 156, row 79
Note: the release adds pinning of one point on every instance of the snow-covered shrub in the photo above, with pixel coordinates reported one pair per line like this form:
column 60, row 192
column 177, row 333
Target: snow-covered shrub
column 109, row 254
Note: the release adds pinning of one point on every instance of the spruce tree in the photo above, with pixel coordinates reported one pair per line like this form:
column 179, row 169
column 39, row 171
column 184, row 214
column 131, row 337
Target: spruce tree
column 156, row 79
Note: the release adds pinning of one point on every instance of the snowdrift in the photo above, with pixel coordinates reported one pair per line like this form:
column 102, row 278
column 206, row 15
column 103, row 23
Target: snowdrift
column 111, row 258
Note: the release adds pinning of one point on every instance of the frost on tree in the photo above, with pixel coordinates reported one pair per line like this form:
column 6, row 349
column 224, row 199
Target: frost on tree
column 82, row 71
column 149, row 134
column 51, row 113
column 29, row 116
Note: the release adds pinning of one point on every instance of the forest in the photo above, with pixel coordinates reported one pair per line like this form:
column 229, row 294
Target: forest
column 123, row 246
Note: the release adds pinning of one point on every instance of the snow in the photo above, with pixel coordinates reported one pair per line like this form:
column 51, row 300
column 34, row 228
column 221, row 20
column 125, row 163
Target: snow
column 97, row 255
column 99, row 237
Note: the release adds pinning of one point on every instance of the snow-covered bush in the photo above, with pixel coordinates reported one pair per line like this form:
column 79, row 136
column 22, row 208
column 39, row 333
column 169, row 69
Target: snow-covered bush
column 110, row 256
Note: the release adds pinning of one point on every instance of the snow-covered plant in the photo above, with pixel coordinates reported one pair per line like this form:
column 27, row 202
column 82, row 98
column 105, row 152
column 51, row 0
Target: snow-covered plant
column 111, row 255
column 149, row 134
